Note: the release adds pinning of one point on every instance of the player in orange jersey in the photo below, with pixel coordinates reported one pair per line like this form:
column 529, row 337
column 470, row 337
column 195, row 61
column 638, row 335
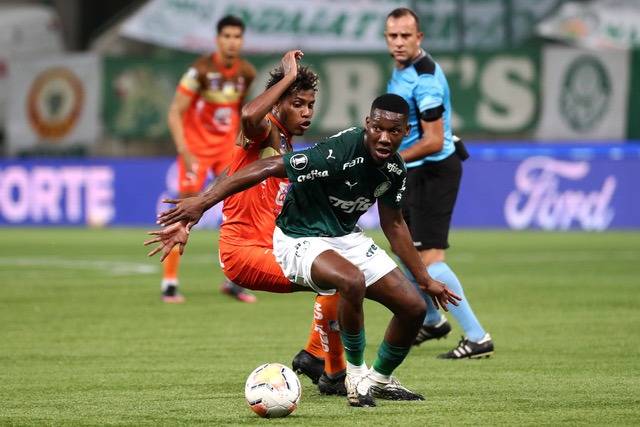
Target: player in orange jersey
column 204, row 119
column 269, row 122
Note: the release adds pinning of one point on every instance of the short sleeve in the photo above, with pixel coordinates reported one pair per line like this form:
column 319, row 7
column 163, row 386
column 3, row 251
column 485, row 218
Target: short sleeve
column 309, row 165
column 393, row 197
column 429, row 94
column 189, row 83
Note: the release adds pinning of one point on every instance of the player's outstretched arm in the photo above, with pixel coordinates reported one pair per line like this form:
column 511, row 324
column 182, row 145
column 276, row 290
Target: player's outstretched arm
column 254, row 124
column 190, row 209
column 168, row 237
column 397, row 232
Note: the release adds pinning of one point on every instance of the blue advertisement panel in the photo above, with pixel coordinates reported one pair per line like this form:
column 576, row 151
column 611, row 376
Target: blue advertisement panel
column 93, row 192
column 578, row 188
column 548, row 193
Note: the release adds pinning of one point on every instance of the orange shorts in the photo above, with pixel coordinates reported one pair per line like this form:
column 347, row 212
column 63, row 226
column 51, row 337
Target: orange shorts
column 254, row 268
column 195, row 183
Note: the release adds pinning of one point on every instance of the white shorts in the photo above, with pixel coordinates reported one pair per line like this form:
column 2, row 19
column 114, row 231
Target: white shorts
column 296, row 255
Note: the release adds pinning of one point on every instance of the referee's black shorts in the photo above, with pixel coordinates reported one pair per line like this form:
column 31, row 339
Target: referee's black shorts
column 431, row 193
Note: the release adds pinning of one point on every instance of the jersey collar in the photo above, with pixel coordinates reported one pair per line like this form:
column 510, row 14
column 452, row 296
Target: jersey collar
column 285, row 133
column 222, row 68
column 410, row 62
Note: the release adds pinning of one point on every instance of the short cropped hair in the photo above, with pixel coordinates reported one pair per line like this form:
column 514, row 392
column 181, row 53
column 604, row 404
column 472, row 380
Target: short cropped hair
column 391, row 102
column 305, row 80
column 404, row 11
column 229, row 21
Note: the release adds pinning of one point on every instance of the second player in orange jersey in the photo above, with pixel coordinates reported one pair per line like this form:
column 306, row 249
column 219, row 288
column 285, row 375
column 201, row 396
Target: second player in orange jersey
column 204, row 119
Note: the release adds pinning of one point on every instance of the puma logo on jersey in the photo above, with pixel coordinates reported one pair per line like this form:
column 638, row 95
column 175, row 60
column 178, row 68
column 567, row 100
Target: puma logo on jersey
column 361, row 204
column 330, row 156
column 350, row 185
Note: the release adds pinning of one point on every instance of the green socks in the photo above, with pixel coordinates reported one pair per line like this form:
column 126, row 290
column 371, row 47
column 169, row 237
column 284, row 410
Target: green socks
column 389, row 358
column 354, row 347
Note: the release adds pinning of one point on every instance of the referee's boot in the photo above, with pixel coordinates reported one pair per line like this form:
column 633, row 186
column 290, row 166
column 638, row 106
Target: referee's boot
column 471, row 350
column 433, row 332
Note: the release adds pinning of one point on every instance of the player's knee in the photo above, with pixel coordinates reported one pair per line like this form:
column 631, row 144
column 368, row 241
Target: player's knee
column 416, row 310
column 353, row 287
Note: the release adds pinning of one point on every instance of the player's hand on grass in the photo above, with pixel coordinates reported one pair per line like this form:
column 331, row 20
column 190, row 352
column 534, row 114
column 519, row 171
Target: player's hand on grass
column 167, row 238
column 188, row 210
column 290, row 62
column 440, row 293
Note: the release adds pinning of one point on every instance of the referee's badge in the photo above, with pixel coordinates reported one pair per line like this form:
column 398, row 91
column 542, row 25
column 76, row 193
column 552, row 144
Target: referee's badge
column 381, row 189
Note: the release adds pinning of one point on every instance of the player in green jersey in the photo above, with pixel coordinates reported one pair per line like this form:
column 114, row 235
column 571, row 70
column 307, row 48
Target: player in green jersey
column 319, row 245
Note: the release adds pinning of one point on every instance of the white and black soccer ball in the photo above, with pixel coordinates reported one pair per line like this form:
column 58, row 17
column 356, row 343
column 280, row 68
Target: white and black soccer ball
column 272, row 390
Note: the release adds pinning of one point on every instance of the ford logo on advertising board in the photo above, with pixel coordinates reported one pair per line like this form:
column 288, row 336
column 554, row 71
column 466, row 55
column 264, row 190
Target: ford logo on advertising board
column 544, row 198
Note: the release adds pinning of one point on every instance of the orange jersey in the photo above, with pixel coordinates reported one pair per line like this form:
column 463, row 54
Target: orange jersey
column 212, row 121
column 248, row 217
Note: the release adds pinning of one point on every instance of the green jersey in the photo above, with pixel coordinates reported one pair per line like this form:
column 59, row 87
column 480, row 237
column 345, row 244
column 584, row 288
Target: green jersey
column 334, row 183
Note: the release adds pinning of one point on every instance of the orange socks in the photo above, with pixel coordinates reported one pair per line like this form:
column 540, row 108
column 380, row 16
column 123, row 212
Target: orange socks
column 324, row 338
column 170, row 266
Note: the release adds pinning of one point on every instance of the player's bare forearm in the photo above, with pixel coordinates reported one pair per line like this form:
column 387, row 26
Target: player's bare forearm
column 244, row 178
column 192, row 208
column 421, row 149
column 177, row 133
column 178, row 107
column 254, row 112
column 431, row 142
column 397, row 233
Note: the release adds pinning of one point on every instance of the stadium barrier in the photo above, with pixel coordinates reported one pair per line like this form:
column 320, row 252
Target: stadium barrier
column 568, row 187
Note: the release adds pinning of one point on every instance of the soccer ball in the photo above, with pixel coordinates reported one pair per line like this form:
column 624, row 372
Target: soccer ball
column 272, row 390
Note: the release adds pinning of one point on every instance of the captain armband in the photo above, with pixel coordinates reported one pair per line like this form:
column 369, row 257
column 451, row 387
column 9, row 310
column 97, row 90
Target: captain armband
column 432, row 114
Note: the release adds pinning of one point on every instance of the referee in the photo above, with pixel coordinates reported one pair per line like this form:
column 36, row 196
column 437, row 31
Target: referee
column 434, row 162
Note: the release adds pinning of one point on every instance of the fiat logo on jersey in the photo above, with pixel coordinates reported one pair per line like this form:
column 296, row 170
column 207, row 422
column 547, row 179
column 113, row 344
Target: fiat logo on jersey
column 298, row 161
column 55, row 102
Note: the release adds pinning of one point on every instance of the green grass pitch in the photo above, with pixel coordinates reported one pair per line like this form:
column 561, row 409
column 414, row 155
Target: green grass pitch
column 85, row 339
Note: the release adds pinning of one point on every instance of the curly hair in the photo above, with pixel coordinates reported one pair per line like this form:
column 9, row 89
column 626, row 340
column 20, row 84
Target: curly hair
column 305, row 80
